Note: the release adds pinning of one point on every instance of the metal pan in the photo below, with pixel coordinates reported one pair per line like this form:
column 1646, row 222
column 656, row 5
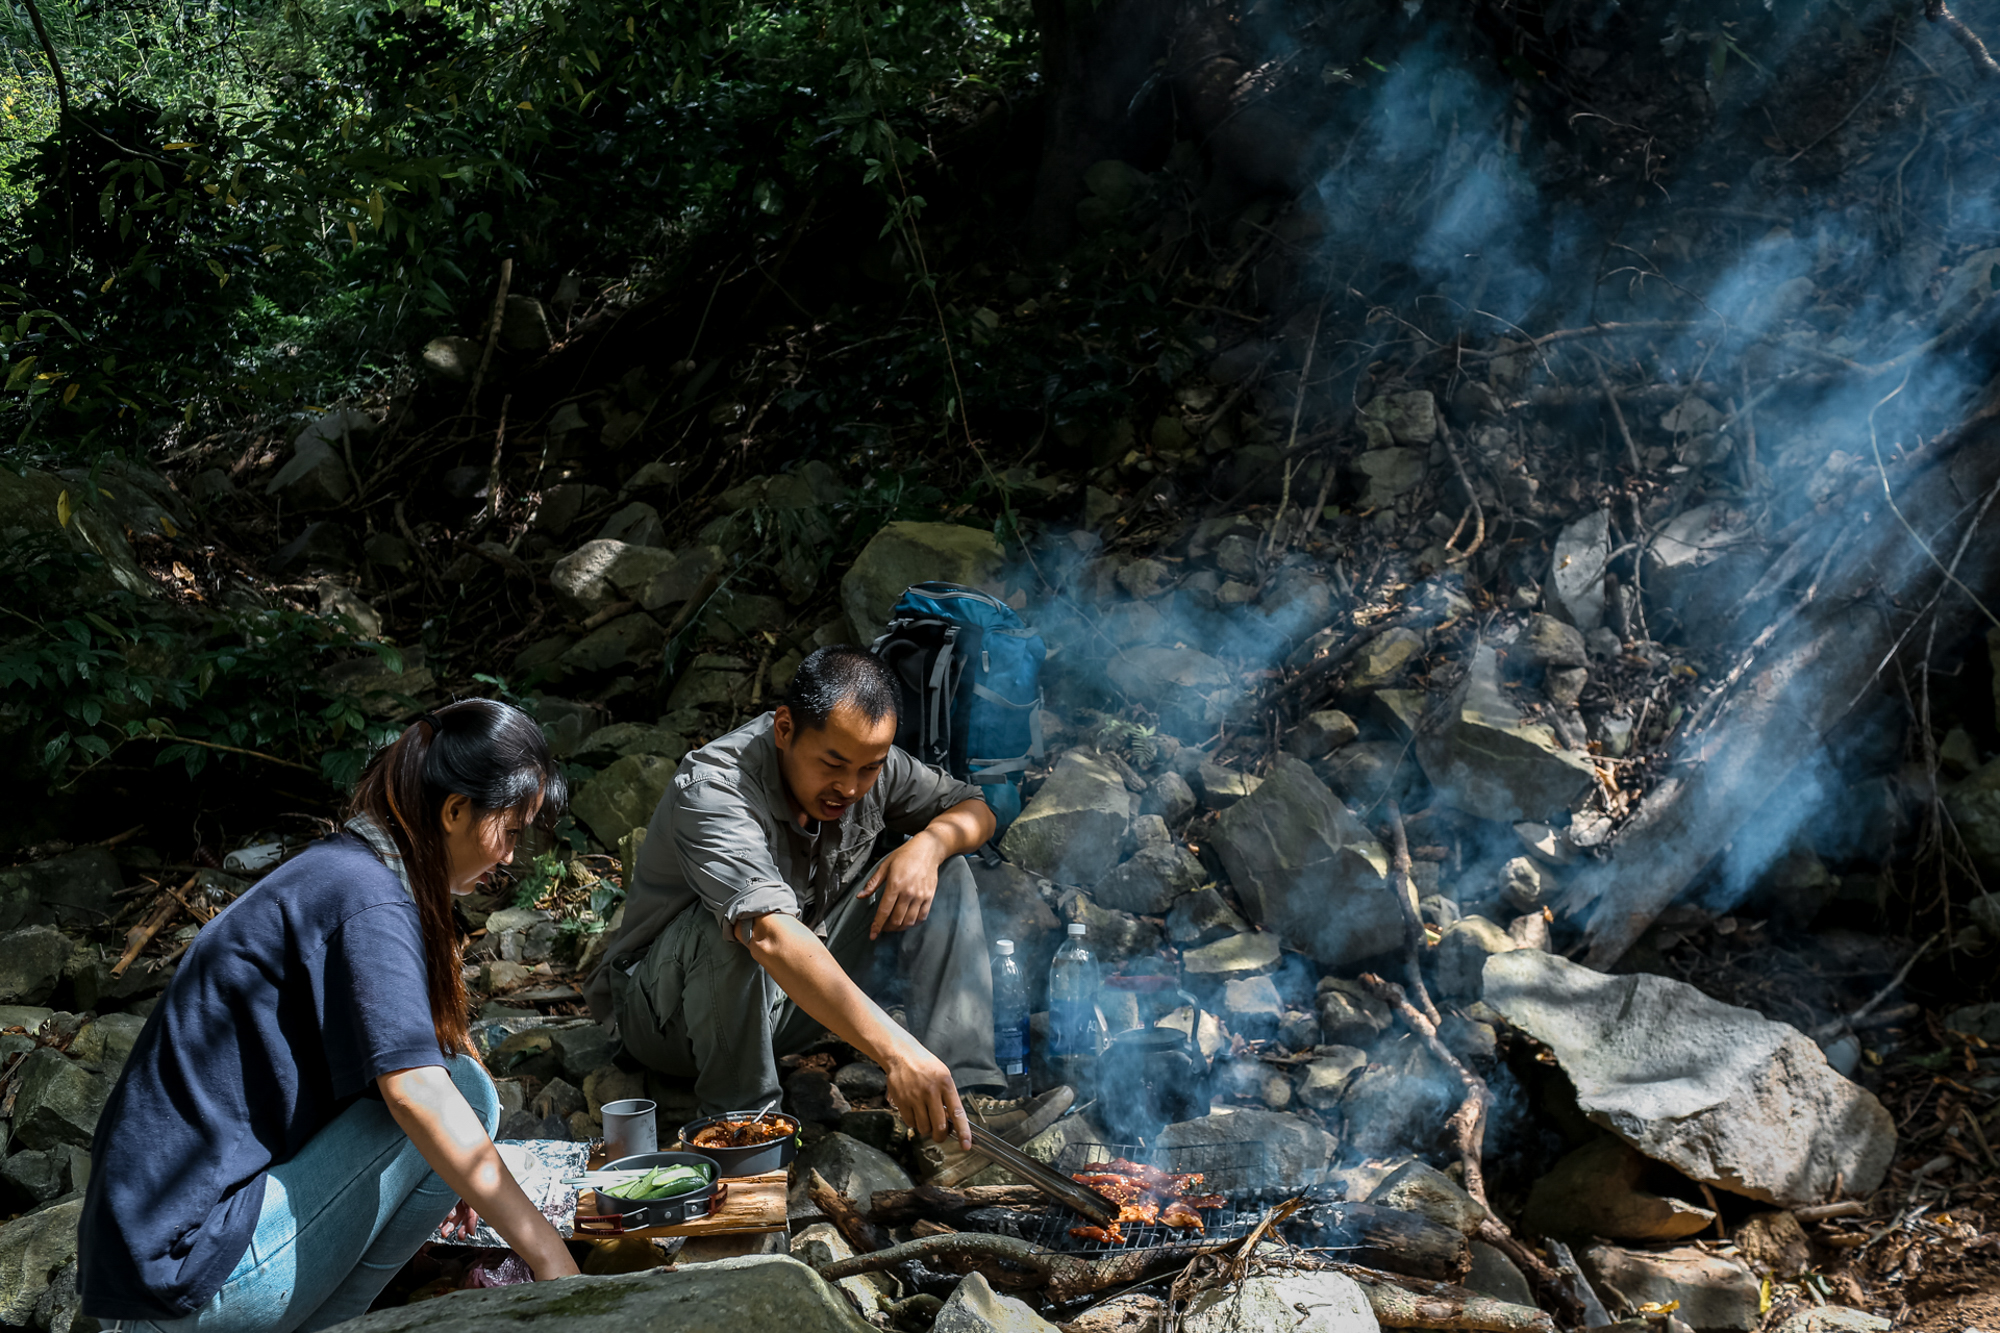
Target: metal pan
column 638, row 1215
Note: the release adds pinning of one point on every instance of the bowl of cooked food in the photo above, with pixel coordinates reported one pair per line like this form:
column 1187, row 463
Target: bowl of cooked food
column 651, row 1189
column 744, row 1143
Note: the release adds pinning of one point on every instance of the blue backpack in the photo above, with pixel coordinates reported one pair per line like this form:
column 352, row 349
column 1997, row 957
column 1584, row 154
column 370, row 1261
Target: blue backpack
column 971, row 674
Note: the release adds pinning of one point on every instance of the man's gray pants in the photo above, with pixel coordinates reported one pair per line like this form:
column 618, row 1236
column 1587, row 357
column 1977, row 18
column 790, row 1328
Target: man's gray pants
column 696, row 1005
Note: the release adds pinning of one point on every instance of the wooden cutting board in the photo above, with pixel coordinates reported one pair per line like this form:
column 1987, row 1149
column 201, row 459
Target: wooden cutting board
column 755, row 1203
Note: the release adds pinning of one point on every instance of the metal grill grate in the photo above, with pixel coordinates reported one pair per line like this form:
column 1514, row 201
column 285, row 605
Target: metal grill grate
column 1050, row 1229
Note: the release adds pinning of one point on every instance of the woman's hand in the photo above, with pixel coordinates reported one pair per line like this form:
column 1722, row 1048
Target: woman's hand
column 430, row 1109
column 462, row 1221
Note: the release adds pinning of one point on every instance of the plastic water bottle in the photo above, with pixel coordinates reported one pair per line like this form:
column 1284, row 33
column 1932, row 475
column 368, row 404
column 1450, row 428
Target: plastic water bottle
column 1010, row 1018
column 1076, row 1033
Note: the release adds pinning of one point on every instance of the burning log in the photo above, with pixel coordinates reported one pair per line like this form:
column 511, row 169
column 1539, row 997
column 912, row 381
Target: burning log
column 1390, row 1238
column 863, row 1235
column 1023, row 1265
column 895, row 1207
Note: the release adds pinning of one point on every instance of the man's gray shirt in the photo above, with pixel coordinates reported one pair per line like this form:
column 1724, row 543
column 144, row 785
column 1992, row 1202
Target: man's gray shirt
column 723, row 836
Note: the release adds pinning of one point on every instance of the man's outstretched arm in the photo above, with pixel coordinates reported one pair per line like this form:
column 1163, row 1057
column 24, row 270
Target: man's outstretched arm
column 920, row 1087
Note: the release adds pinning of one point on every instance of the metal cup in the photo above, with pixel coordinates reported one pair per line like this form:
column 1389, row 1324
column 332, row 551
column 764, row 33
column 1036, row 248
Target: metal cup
column 629, row 1128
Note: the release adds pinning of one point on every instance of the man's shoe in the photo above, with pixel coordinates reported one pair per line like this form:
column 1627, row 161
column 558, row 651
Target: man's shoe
column 1021, row 1118
column 1017, row 1121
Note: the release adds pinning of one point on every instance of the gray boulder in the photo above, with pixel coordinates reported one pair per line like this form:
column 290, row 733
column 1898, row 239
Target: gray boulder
column 601, row 572
column 609, row 744
column 854, row 1169
column 1715, row 1293
column 1366, row 773
column 374, row 688
column 1250, row 1150
column 1232, row 957
column 821, row 1244
column 1151, row 880
column 1326, row 1075
column 452, row 359
column 1113, row 935
column 635, row 524
column 712, row 680
column 314, row 478
column 1169, row 797
column 1723, row 1094
column 1348, row 1014
column 1283, row 1303
column 31, row 963
column 623, row 796
column 1575, row 588
column 1494, row 1274
column 627, row 641
column 1072, row 829
column 1307, row 869
column 1484, row 759
column 34, row 1177
column 672, row 584
column 1597, row 1191
column 1555, row 643
column 57, row 1101
column 73, row 889
column 34, row 1252
column 524, row 325
column 1698, row 566
column 1400, row 418
column 1319, row 734
column 1462, row 953
column 1012, row 908
column 106, row 1040
column 759, row 1291
column 975, row 1307
column 1416, row 1187
column 1383, row 658
column 1202, row 917
column 1175, row 683
column 905, row 553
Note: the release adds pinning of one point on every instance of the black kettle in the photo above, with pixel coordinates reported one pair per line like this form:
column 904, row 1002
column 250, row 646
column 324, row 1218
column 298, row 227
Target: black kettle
column 1149, row 1078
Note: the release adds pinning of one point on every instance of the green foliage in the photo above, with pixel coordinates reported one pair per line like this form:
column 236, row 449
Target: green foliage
column 100, row 674
column 366, row 163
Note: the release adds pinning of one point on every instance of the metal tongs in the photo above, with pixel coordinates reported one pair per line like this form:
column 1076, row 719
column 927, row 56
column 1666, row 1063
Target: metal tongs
column 1079, row 1198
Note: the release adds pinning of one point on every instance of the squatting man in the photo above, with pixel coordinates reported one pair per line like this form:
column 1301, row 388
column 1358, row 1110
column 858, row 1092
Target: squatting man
column 758, row 905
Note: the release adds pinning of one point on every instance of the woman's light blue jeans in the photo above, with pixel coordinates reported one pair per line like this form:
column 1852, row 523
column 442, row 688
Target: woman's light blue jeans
column 338, row 1221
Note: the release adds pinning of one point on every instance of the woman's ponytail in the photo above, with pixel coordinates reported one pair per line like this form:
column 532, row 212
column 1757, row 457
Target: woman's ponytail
column 495, row 756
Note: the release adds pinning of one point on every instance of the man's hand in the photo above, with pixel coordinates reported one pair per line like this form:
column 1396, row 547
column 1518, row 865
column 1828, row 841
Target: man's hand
column 922, row 1093
column 907, row 879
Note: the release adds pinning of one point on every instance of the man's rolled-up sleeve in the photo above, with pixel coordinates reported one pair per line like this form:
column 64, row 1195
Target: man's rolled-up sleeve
column 725, row 853
column 914, row 794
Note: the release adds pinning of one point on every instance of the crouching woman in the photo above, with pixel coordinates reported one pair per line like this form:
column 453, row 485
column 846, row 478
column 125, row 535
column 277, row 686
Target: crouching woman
column 303, row 1107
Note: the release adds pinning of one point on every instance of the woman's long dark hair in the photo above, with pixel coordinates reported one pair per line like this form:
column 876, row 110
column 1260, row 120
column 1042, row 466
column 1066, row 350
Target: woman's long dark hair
column 495, row 756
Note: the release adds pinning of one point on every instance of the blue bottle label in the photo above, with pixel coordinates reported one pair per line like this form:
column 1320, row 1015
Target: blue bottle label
column 1010, row 1047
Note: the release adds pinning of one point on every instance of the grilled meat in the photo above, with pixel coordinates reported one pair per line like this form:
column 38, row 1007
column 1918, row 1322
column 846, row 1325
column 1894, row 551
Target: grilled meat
column 1145, row 1195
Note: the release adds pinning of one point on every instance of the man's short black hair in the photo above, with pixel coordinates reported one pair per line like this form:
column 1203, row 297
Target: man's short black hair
column 842, row 674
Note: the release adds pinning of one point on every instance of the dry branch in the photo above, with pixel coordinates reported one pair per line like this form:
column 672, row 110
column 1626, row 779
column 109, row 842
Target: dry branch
column 860, row 1233
column 1413, row 924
